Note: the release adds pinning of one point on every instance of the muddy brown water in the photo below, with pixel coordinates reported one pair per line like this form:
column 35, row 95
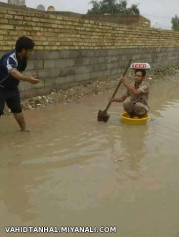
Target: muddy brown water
column 71, row 170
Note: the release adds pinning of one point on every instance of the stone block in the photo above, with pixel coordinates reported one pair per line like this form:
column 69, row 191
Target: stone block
column 115, row 71
column 114, row 65
column 2, row 53
column 82, row 61
column 49, row 73
column 113, row 52
column 102, row 74
column 101, row 52
column 86, row 53
column 83, row 69
column 31, row 72
column 38, row 64
column 82, row 77
column 114, row 59
column 50, row 82
column 102, row 59
column 50, row 63
column 30, row 65
column 67, row 71
column 34, row 65
column 64, row 80
column 46, row 54
column 64, row 63
column 74, row 53
column 100, row 67
column 63, row 54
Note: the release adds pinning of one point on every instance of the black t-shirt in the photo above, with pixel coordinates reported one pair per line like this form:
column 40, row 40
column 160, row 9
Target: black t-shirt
column 8, row 62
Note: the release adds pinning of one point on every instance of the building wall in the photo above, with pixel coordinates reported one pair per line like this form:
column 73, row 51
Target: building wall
column 72, row 51
column 17, row 2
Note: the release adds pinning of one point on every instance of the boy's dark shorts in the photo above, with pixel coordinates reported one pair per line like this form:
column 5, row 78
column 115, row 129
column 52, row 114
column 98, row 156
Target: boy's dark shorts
column 11, row 98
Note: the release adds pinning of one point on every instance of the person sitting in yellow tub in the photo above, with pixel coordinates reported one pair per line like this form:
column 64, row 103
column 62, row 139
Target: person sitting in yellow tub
column 138, row 92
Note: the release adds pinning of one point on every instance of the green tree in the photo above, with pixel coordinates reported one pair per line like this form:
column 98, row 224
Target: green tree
column 112, row 7
column 175, row 23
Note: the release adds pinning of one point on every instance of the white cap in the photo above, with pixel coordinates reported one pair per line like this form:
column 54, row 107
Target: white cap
column 145, row 66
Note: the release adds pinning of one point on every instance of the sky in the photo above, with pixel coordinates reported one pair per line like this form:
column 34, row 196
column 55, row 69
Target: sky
column 159, row 12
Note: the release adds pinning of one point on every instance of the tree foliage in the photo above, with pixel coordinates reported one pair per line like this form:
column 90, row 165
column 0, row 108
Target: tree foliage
column 113, row 7
column 175, row 23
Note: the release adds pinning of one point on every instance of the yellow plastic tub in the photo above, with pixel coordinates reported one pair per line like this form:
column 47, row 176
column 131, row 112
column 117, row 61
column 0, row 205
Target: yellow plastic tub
column 136, row 121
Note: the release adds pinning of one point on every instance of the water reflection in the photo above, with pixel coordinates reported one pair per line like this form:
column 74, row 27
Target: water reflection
column 133, row 143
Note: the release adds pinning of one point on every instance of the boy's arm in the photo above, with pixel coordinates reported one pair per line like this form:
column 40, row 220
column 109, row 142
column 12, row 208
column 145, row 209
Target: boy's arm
column 121, row 99
column 18, row 75
column 130, row 88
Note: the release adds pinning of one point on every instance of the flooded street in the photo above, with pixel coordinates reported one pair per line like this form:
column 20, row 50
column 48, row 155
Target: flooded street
column 71, row 170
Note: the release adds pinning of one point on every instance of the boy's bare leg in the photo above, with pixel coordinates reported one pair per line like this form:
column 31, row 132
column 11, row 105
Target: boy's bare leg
column 21, row 121
column 129, row 108
column 141, row 110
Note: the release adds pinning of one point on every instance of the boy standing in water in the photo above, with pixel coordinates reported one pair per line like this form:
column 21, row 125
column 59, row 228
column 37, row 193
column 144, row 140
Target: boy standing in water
column 138, row 92
column 12, row 64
